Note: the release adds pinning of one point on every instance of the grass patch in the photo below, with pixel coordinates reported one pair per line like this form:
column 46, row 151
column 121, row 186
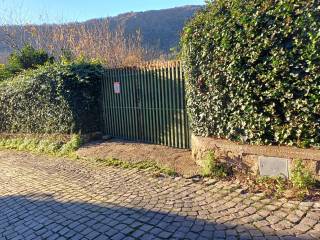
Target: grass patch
column 51, row 145
column 141, row 165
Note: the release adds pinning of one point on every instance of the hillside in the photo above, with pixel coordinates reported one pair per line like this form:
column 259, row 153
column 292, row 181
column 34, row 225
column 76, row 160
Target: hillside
column 160, row 29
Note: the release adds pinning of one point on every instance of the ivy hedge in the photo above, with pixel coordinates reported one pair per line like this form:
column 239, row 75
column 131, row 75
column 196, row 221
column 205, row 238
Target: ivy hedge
column 253, row 71
column 55, row 98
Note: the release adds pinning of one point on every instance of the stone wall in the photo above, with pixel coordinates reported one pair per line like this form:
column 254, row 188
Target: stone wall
column 250, row 157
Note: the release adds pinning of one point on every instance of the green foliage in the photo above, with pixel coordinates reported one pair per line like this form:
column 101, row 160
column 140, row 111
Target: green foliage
column 253, row 71
column 67, row 56
column 4, row 72
column 56, row 98
column 298, row 186
column 27, row 57
column 273, row 186
column 51, row 145
column 71, row 146
column 301, row 178
column 141, row 165
column 213, row 168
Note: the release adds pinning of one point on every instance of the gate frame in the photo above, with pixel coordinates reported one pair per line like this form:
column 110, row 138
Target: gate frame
column 169, row 78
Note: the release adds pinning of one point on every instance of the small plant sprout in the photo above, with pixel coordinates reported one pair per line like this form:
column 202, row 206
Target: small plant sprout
column 301, row 177
column 213, row 168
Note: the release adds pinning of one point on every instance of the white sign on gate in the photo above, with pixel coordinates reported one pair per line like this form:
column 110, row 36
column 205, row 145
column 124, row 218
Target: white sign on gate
column 116, row 87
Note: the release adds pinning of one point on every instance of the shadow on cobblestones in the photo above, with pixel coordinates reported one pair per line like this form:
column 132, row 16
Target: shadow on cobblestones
column 49, row 198
column 44, row 217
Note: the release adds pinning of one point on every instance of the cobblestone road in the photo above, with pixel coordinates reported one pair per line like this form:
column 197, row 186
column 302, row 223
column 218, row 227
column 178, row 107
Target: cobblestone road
column 45, row 198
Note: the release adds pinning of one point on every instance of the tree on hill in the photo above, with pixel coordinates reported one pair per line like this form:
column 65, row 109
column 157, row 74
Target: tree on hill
column 27, row 57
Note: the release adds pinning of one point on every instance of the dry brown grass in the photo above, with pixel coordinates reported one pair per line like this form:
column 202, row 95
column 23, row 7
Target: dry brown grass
column 114, row 48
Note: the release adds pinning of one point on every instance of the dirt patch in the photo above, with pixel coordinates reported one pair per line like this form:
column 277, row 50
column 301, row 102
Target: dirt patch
column 178, row 159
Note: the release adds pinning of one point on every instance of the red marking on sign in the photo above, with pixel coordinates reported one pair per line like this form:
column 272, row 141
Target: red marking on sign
column 116, row 87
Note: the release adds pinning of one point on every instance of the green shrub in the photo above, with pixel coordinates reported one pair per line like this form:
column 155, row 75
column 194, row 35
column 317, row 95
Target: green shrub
column 27, row 57
column 253, row 71
column 213, row 168
column 56, row 98
column 4, row 72
column 301, row 178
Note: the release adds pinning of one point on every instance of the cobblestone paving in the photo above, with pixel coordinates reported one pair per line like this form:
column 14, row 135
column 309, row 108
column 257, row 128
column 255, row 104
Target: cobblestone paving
column 42, row 198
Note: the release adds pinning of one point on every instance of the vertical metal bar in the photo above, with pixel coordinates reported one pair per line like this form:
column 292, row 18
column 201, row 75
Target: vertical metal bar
column 186, row 122
column 169, row 101
column 137, row 97
column 119, row 104
column 106, row 95
column 123, row 104
column 155, row 96
column 110, row 102
column 159, row 107
column 181, row 108
column 107, row 102
column 131, row 103
column 172, row 106
column 106, row 110
column 163, row 106
column 152, row 101
column 165, row 103
column 126, row 93
column 166, row 91
column 103, row 102
column 114, row 106
column 134, row 102
column 174, row 99
column 139, row 107
column 127, row 103
column 122, row 97
column 149, row 104
column 145, row 119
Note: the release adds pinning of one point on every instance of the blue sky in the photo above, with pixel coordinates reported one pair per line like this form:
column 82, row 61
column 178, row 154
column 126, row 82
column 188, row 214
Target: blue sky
column 39, row 11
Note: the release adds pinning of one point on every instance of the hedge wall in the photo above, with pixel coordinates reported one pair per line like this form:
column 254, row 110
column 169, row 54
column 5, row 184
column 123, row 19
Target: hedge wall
column 253, row 71
column 56, row 98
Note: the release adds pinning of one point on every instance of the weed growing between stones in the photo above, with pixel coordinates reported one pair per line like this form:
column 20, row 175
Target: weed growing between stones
column 301, row 185
column 301, row 178
column 214, row 168
column 141, row 165
column 272, row 186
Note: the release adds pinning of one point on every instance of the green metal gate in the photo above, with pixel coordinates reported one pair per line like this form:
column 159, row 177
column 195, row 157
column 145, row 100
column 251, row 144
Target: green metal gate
column 146, row 104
